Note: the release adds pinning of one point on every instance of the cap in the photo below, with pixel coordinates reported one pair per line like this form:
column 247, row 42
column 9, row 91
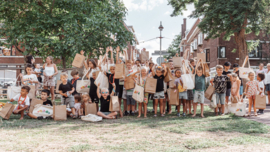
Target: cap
column 235, row 65
column 227, row 64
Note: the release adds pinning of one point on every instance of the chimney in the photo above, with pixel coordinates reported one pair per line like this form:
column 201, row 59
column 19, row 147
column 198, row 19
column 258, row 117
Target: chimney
column 182, row 31
column 185, row 26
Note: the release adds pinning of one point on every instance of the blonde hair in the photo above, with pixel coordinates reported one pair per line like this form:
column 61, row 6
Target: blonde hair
column 268, row 64
column 85, row 94
column 64, row 74
column 51, row 58
column 250, row 73
column 219, row 67
column 106, row 89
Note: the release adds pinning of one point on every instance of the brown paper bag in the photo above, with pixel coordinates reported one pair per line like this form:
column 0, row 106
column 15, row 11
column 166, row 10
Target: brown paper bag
column 260, row 102
column 177, row 62
column 7, row 110
column 206, row 70
column 201, row 56
column 34, row 102
column 114, row 104
column 32, row 92
column 144, row 56
column 90, row 108
column 129, row 83
column 119, row 71
column 171, row 83
column 174, row 97
column 78, row 61
column 60, row 112
column 57, row 85
column 169, row 76
column 150, row 85
column 209, row 92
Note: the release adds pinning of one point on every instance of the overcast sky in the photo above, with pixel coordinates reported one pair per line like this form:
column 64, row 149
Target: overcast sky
column 145, row 17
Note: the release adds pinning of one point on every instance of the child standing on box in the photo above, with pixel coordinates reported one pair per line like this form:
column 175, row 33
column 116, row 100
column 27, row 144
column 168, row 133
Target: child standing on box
column 23, row 101
column 182, row 92
column 66, row 89
column 220, row 82
column 252, row 87
column 159, row 95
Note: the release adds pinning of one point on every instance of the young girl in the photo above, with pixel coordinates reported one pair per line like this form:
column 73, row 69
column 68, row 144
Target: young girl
column 77, row 106
column 159, row 95
column 85, row 99
column 235, row 86
column 251, row 90
column 260, row 78
column 182, row 92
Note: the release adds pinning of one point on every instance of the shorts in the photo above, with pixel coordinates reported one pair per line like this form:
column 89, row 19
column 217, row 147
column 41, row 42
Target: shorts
column 68, row 101
column 130, row 100
column 198, row 97
column 241, row 90
column 220, row 97
column 39, row 79
column 183, row 95
column 190, row 95
column 159, row 95
column 121, row 88
column 95, row 100
column 105, row 113
column 267, row 87
column 124, row 94
column 228, row 92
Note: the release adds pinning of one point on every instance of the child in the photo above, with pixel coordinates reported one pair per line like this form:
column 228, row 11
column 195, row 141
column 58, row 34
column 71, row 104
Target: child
column 23, row 101
column 199, row 90
column 75, row 74
column 235, row 86
column 105, row 103
column 159, row 95
column 260, row 78
column 29, row 78
column 182, row 92
column 38, row 72
column 251, row 90
column 44, row 97
column 77, row 106
column 66, row 89
column 220, row 82
column 93, row 89
column 226, row 71
column 85, row 99
column 190, row 95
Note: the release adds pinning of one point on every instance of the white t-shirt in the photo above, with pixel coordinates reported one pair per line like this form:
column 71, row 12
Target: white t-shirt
column 26, row 102
column 91, row 73
column 31, row 77
column 267, row 78
column 261, row 86
column 37, row 70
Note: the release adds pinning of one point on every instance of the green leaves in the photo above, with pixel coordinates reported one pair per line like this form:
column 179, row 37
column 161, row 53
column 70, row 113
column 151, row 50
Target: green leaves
column 174, row 47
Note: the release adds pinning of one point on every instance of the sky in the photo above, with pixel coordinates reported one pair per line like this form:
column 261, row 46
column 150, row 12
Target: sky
column 145, row 17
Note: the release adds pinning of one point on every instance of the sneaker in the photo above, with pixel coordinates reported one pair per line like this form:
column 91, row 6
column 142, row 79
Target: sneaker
column 178, row 114
column 223, row 114
column 184, row 114
column 126, row 113
column 49, row 117
column 40, row 117
column 132, row 114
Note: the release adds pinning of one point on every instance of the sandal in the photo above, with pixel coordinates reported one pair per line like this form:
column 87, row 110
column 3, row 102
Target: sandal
column 155, row 115
column 162, row 115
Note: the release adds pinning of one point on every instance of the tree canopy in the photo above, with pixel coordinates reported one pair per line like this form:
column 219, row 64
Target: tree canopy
column 232, row 17
column 174, row 46
column 61, row 28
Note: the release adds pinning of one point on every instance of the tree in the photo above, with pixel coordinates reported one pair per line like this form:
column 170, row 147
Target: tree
column 61, row 28
column 174, row 47
column 232, row 17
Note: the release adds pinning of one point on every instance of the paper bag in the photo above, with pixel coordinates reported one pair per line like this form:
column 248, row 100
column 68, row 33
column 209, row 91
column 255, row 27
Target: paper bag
column 114, row 104
column 60, row 112
column 144, row 56
column 171, row 83
column 260, row 102
column 32, row 92
column 34, row 102
column 78, row 61
column 150, row 85
column 206, row 71
column 174, row 97
column 7, row 110
column 177, row 62
column 90, row 108
column 169, row 76
column 201, row 56
column 209, row 92
column 129, row 83
column 57, row 85
column 119, row 71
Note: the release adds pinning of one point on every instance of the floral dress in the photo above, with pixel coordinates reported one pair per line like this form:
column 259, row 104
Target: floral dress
column 252, row 88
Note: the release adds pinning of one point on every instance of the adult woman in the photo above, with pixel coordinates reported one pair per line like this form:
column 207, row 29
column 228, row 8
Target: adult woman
column 50, row 70
column 267, row 81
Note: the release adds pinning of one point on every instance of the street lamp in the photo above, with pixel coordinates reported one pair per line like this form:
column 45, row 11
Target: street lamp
column 160, row 28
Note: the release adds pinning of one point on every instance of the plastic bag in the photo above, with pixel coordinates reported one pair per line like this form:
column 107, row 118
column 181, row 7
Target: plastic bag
column 213, row 103
column 91, row 118
column 103, row 80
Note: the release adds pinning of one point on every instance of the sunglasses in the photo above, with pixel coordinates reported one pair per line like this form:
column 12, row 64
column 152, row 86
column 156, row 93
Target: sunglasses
column 104, row 92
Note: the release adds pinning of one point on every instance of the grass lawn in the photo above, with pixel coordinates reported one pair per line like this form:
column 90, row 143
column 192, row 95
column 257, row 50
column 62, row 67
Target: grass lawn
column 169, row 133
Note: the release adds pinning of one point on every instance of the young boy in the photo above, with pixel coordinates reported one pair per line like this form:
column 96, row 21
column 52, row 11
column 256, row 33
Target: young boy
column 38, row 72
column 159, row 95
column 220, row 82
column 29, row 78
column 66, row 89
column 75, row 74
column 23, row 101
column 105, row 103
column 226, row 71
column 44, row 97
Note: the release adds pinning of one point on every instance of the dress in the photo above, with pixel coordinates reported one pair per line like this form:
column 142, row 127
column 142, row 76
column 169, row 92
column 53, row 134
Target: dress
column 50, row 82
column 252, row 88
column 234, row 88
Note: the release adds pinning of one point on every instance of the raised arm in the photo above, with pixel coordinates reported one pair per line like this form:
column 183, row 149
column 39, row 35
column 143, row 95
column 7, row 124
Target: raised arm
column 117, row 55
column 112, row 60
column 84, row 63
column 192, row 68
column 165, row 71
column 98, row 94
column 113, row 91
column 153, row 70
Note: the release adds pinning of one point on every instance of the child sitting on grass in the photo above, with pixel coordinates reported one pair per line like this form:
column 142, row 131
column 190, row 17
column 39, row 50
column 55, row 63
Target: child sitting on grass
column 77, row 106
column 23, row 101
column 44, row 97
column 86, row 99
column 66, row 89
column 105, row 103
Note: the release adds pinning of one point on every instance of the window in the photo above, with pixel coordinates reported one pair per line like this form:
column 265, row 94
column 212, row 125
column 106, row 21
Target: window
column 205, row 35
column 207, row 55
column 222, row 52
column 195, row 44
column 256, row 53
column 191, row 47
column 200, row 39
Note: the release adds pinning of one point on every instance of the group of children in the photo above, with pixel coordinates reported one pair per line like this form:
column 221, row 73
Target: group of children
column 226, row 84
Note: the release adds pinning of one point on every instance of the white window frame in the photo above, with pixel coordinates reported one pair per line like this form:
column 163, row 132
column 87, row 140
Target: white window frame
column 195, row 45
column 191, row 47
column 200, row 39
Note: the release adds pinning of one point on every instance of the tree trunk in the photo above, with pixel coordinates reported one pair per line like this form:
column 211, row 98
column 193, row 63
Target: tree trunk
column 64, row 62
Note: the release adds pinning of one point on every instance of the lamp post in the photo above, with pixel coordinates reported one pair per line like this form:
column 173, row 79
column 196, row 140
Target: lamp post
column 160, row 28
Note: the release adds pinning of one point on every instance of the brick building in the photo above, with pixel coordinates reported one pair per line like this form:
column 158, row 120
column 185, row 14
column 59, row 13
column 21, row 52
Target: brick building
column 219, row 51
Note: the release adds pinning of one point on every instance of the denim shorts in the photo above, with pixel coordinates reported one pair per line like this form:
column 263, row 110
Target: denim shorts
column 267, row 87
column 130, row 100
column 241, row 90
column 198, row 97
column 183, row 95
column 228, row 92
column 159, row 95
column 220, row 97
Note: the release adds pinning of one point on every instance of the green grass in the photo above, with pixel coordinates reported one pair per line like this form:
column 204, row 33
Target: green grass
column 169, row 133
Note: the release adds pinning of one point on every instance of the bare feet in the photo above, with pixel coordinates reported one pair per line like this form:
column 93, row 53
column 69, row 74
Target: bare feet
column 170, row 112
column 256, row 114
column 21, row 118
column 139, row 116
column 190, row 113
column 194, row 115
column 202, row 116
column 145, row 116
